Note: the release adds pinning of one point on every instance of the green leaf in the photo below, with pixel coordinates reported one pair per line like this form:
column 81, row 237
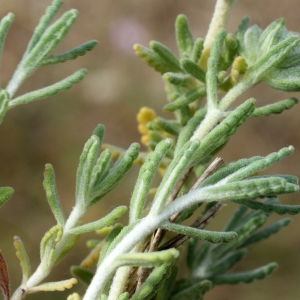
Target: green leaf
column 258, row 165
column 266, row 232
column 228, row 53
column 178, row 79
column 84, row 172
column 197, row 50
column 110, row 238
column 166, row 55
column 84, row 275
column 225, row 263
column 275, row 108
column 160, row 124
column 185, row 99
column 5, row 24
column 188, row 130
column 212, row 236
column 168, row 283
column 99, row 131
column 246, row 277
column 124, row 296
column 44, row 22
column 108, row 220
column 220, row 134
column 240, row 34
column 267, row 208
column 193, row 69
column 235, row 219
column 148, row 260
column 48, row 41
column 5, row 194
column 23, row 258
column 4, row 102
column 152, row 59
column 52, row 195
column 145, row 177
column 48, row 244
column 195, row 292
column 184, row 37
column 173, row 173
column 154, row 281
column 71, row 54
column 212, row 68
column 101, row 169
column 116, row 174
column 50, row 90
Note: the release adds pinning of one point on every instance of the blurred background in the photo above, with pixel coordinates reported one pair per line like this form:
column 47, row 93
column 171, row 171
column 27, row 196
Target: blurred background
column 54, row 130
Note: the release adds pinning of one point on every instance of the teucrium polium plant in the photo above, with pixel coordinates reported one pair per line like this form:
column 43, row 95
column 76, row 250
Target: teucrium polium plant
column 140, row 260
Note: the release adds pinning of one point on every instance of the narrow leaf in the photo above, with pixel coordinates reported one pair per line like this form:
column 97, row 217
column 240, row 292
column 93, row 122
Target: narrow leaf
column 69, row 55
column 178, row 78
column 145, row 177
column 50, row 90
column 197, row 50
column 104, row 222
column 184, row 37
column 44, row 22
column 148, row 260
column 4, row 102
column 124, row 296
column 53, row 286
column 154, row 281
column 212, row 236
column 185, row 99
column 23, row 258
column 275, row 108
column 246, row 277
column 52, row 195
column 267, row 208
column 236, row 218
column 84, row 275
column 116, row 174
column 193, row 68
column 164, row 292
column 266, row 232
column 5, row 194
column 166, row 55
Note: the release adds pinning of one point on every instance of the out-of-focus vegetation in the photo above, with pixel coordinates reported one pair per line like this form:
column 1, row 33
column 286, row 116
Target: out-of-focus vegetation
column 117, row 85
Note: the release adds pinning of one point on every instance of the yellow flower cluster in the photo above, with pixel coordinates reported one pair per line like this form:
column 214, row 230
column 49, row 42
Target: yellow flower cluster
column 144, row 116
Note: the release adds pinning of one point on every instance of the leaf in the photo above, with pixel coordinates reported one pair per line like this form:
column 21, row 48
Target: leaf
column 275, row 108
column 184, row 37
column 44, row 22
column 4, row 102
column 212, row 236
column 212, row 67
column 267, row 208
column 194, row 292
column 166, row 55
column 48, row 244
column 173, row 173
column 103, row 222
column 71, row 54
column 146, row 174
column 23, row 258
column 236, row 218
column 154, row 281
column 220, row 134
column 178, row 79
column 84, row 275
column 52, row 195
column 186, row 98
column 116, row 174
column 4, row 278
column 193, row 69
column 197, row 50
column 266, row 232
column 50, row 90
column 53, row 286
column 148, row 259
column 84, row 172
column 5, row 194
column 124, row 296
column 168, row 283
column 246, row 277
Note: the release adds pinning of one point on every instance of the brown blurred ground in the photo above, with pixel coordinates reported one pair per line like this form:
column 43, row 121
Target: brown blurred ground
column 118, row 84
